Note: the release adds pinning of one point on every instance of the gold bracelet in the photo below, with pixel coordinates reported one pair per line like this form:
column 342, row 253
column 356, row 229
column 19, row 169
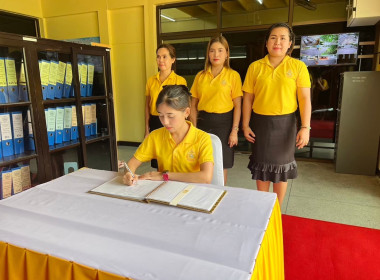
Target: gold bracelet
column 236, row 128
column 308, row 127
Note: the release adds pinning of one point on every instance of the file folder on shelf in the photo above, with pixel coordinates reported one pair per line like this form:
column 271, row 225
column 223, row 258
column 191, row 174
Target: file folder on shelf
column 74, row 123
column 93, row 119
column 22, row 87
column 86, row 111
column 68, row 81
column 44, row 75
column 51, row 116
column 83, row 79
column 18, row 133
column 10, row 68
column 59, row 125
column 25, row 177
column 90, row 78
column 16, row 180
column 6, row 134
column 52, row 79
column 29, row 141
column 60, row 79
column 67, row 124
column 6, row 184
column 3, row 82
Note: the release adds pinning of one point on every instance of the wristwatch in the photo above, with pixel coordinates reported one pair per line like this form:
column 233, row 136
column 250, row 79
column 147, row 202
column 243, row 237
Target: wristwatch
column 165, row 175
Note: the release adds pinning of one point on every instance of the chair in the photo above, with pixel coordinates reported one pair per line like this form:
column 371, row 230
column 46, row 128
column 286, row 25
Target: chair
column 218, row 175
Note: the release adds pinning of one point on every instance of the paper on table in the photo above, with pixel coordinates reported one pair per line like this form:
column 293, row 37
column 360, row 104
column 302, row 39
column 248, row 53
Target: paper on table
column 115, row 187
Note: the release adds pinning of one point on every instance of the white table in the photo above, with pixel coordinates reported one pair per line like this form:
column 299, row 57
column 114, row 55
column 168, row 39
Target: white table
column 137, row 240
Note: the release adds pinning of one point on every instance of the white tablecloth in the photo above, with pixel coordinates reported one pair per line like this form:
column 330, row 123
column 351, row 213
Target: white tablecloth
column 137, row 240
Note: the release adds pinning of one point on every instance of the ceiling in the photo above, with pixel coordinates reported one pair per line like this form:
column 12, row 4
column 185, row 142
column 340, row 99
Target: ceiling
column 233, row 7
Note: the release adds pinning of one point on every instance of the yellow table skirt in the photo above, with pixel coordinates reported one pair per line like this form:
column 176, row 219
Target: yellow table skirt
column 18, row 263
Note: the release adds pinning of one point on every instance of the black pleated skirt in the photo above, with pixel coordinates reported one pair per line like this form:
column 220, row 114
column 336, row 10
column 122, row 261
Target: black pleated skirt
column 272, row 156
column 154, row 123
column 220, row 125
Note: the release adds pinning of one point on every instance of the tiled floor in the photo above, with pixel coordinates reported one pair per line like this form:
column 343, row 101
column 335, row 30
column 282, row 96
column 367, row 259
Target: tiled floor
column 318, row 192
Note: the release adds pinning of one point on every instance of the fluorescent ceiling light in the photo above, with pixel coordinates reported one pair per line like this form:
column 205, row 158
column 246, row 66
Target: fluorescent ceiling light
column 169, row 18
column 260, row 1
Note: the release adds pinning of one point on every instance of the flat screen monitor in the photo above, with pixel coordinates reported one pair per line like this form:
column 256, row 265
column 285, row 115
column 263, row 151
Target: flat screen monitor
column 329, row 49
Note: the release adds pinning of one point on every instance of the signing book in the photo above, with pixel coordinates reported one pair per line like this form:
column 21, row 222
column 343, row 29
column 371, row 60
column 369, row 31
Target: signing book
column 173, row 193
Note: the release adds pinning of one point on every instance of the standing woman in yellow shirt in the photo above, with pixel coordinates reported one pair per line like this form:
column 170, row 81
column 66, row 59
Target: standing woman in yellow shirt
column 272, row 87
column 166, row 76
column 216, row 102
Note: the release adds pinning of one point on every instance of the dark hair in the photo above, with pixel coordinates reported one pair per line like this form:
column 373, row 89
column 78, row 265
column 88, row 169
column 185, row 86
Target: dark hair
column 171, row 51
column 292, row 36
column 176, row 96
column 223, row 41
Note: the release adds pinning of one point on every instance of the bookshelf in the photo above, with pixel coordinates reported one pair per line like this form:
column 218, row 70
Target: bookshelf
column 51, row 84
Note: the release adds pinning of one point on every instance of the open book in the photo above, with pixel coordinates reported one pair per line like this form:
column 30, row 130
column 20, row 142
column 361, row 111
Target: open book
column 184, row 195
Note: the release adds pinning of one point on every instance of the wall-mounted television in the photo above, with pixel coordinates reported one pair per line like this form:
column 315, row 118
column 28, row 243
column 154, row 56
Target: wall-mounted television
column 329, row 49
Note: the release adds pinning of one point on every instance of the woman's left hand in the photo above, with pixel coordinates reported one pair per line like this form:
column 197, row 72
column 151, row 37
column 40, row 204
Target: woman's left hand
column 152, row 175
column 233, row 139
column 302, row 139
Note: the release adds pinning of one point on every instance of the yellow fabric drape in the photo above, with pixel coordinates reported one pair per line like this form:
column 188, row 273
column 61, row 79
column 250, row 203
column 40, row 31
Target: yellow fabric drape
column 18, row 263
column 270, row 259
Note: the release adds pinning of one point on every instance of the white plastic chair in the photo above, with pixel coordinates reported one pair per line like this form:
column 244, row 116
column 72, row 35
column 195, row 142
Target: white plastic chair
column 218, row 175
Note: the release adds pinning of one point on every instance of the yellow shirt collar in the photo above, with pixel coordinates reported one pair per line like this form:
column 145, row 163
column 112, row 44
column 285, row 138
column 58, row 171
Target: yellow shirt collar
column 171, row 76
column 209, row 71
column 189, row 137
column 266, row 60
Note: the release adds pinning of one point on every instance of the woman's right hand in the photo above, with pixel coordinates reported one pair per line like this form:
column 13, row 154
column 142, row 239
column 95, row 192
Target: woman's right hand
column 249, row 135
column 129, row 180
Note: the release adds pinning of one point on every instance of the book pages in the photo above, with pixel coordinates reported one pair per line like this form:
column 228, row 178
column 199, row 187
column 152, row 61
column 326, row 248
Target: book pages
column 167, row 191
column 201, row 198
column 116, row 188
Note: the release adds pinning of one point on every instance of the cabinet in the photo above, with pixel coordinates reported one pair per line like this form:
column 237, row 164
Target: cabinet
column 358, row 130
column 362, row 12
column 48, row 84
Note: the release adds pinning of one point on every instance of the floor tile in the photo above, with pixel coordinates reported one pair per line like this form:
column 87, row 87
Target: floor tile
column 333, row 211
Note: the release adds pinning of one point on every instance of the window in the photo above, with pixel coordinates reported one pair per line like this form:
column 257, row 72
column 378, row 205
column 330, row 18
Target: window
column 17, row 24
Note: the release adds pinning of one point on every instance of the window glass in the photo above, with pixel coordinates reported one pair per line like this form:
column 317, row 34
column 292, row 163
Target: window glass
column 189, row 18
column 18, row 24
column 190, row 56
column 253, row 12
column 308, row 11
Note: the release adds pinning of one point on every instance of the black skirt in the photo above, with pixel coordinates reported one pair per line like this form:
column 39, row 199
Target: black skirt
column 154, row 123
column 220, row 125
column 272, row 156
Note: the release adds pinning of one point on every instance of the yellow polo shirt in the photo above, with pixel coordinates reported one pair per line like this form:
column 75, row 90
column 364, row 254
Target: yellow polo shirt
column 215, row 94
column 154, row 87
column 275, row 90
column 186, row 157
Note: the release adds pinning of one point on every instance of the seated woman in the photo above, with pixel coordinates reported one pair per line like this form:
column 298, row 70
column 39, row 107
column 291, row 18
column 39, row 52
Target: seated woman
column 183, row 152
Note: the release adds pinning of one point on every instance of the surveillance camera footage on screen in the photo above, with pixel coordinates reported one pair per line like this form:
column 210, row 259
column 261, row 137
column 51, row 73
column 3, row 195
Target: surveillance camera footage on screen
column 329, row 49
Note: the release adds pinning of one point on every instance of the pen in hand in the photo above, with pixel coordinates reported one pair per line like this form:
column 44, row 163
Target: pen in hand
column 129, row 170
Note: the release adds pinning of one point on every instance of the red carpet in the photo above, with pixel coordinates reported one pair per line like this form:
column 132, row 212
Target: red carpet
column 323, row 250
